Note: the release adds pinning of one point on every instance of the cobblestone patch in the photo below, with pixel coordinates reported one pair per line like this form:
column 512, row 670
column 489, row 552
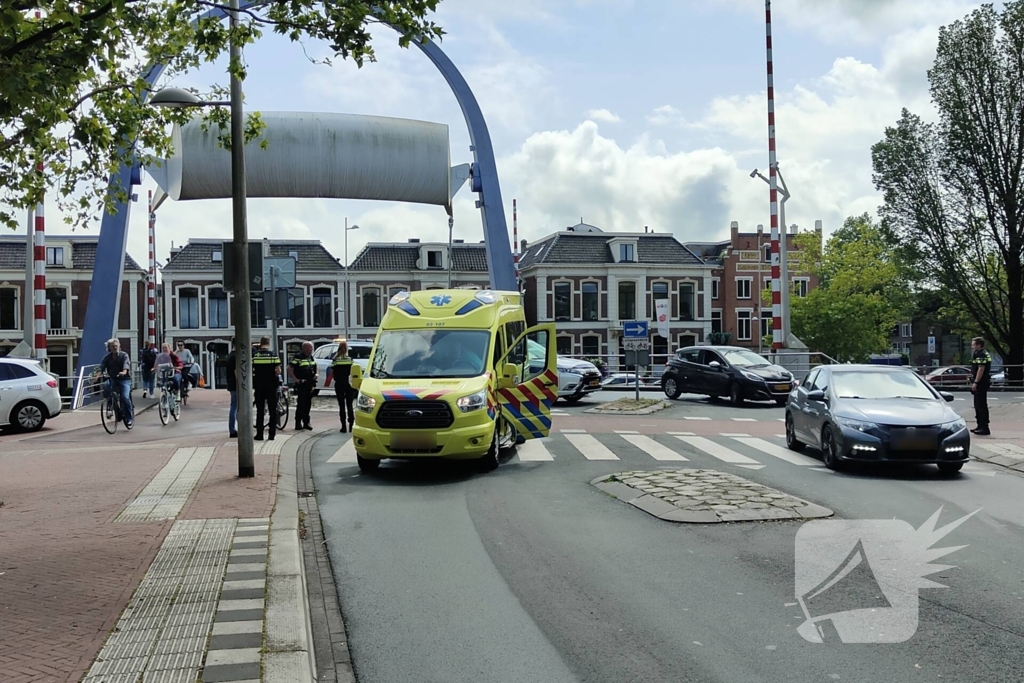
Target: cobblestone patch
column 629, row 406
column 705, row 496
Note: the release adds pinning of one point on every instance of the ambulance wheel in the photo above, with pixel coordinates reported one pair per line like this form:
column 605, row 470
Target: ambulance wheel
column 367, row 464
column 491, row 458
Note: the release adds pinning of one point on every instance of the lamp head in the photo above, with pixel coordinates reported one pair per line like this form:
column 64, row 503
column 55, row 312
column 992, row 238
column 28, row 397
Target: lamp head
column 175, row 98
column 753, row 174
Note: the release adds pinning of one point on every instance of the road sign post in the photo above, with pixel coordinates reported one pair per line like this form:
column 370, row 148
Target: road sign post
column 636, row 339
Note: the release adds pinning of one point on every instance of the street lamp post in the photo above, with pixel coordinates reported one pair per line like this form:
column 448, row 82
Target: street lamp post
column 783, row 247
column 346, row 295
column 177, row 97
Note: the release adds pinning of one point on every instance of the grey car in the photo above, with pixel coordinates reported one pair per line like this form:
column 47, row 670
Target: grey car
column 875, row 413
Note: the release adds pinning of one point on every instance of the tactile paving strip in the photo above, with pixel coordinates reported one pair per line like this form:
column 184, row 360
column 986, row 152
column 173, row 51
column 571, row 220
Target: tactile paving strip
column 167, row 493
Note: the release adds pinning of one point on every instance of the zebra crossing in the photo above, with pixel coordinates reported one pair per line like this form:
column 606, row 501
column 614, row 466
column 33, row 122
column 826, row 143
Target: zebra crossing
column 728, row 448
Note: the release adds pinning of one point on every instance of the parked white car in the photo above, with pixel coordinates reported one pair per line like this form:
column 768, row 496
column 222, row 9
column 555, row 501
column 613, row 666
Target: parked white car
column 576, row 378
column 358, row 351
column 29, row 396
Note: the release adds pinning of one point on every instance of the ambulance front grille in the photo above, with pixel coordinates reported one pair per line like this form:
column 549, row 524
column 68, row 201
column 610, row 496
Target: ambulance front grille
column 415, row 415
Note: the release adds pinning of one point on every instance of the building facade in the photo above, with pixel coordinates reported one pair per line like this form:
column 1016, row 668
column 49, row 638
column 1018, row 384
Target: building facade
column 589, row 282
column 742, row 273
column 70, row 261
column 196, row 308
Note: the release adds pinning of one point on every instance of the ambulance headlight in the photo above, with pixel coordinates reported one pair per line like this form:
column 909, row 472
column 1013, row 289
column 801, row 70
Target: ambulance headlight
column 365, row 403
column 468, row 404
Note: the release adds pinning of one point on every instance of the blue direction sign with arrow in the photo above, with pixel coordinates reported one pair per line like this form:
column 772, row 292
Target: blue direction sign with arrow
column 635, row 329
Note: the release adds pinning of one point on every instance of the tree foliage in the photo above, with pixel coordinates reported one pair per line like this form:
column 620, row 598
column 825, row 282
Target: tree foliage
column 954, row 189
column 72, row 88
column 862, row 294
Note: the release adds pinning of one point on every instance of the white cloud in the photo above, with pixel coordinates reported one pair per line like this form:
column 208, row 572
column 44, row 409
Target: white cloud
column 602, row 116
column 665, row 115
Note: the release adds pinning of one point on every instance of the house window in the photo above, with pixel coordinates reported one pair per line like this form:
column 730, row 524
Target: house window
column 716, row 321
column 323, row 316
column 563, row 301
column 768, row 253
column 563, row 345
column 56, row 308
column 743, row 285
column 371, row 307
column 800, row 286
column 55, row 256
column 591, row 346
column 659, row 290
column 8, row 309
column 766, row 324
column 743, row 325
column 218, row 256
column 686, row 301
column 906, row 330
column 767, row 284
column 714, row 287
column 218, row 308
column 626, row 252
column 296, row 307
column 257, row 310
column 591, row 301
column 627, row 300
column 188, row 308
column 435, row 259
column 659, row 350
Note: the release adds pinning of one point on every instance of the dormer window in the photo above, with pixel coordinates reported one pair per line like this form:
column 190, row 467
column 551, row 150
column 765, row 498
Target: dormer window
column 626, row 253
column 435, row 258
column 55, row 256
column 623, row 249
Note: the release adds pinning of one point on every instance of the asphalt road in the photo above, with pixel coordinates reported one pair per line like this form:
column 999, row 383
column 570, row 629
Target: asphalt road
column 530, row 574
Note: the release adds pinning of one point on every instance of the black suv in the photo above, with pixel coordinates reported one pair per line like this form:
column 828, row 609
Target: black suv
column 729, row 371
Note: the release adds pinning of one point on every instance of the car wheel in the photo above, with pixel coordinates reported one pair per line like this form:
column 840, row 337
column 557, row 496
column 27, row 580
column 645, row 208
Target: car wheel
column 950, row 467
column 780, row 402
column 791, row 441
column 671, row 387
column 30, row 416
column 736, row 394
column 367, row 464
column 829, row 449
column 573, row 400
column 492, row 458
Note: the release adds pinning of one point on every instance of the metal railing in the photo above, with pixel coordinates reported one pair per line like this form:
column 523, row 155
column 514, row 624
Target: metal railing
column 1000, row 376
column 88, row 385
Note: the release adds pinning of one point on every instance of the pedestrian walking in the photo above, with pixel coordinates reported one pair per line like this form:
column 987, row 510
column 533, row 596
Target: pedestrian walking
column 341, row 369
column 147, row 359
column 266, row 378
column 981, row 365
column 302, row 371
column 232, row 387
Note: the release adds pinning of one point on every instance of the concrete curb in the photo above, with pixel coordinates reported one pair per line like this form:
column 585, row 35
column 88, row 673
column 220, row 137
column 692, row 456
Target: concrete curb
column 288, row 654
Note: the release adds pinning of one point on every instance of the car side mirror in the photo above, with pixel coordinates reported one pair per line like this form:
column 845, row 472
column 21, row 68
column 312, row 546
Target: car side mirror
column 509, row 376
column 817, row 395
column 948, row 396
column 714, row 364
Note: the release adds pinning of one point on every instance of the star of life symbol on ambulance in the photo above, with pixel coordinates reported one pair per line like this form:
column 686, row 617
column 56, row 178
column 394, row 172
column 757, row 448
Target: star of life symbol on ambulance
column 440, row 300
column 857, row 581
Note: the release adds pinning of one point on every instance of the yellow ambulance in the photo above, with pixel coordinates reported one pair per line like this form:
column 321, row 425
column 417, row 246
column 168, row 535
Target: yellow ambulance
column 455, row 374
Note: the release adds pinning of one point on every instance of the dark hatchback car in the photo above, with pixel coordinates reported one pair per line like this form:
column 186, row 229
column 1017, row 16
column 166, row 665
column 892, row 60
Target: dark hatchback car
column 872, row 413
column 729, row 371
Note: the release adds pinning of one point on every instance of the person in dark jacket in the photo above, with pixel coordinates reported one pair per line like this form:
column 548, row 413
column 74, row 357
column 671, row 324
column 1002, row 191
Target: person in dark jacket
column 266, row 375
column 232, row 387
column 981, row 367
column 341, row 369
column 302, row 370
column 147, row 359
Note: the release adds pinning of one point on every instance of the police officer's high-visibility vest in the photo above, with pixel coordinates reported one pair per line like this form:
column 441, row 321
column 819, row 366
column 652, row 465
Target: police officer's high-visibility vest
column 341, row 368
column 264, row 366
column 304, row 367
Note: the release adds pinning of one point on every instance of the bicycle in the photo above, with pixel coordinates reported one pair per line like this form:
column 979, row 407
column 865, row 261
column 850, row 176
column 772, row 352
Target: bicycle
column 283, row 405
column 186, row 378
column 111, row 410
column 169, row 405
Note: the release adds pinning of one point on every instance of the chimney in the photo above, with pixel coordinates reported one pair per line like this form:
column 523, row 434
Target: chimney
column 522, row 246
column 817, row 227
column 760, row 228
column 645, row 229
column 414, row 240
column 793, row 229
column 458, row 241
column 734, row 228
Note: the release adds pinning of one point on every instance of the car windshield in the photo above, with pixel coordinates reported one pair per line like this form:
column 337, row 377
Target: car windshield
column 875, row 385
column 742, row 358
column 430, row 353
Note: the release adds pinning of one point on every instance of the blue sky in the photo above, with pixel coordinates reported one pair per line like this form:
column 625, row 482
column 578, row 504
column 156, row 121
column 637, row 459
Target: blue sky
column 623, row 112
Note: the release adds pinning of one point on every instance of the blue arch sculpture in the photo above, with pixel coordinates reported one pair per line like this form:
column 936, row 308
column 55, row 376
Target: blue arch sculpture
column 105, row 290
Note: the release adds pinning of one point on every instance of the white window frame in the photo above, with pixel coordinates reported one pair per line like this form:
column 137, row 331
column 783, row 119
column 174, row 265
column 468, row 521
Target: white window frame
column 199, row 305
column 693, row 300
column 716, row 283
column 65, row 309
column 618, row 298
column 749, row 286
column 766, row 318
column 54, row 251
column 427, row 252
column 797, row 282
column 739, row 325
column 565, row 335
column 716, row 314
column 629, row 247
column 598, row 283
column 380, row 309
column 668, row 290
column 906, row 329
column 572, row 299
column 17, row 306
column 310, row 289
column 209, row 312
column 590, row 336
column 305, row 298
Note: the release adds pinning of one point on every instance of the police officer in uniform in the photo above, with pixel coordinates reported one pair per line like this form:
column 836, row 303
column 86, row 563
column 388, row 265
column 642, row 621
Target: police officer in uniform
column 302, row 371
column 341, row 369
column 981, row 366
column 266, row 371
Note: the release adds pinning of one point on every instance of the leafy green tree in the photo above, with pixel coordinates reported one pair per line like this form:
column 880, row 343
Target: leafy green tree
column 862, row 294
column 954, row 189
column 72, row 93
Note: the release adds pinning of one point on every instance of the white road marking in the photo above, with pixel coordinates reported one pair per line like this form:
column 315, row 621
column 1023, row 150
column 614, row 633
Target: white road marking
column 573, row 431
column 717, row 450
column 695, row 417
column 347, row 453
column 533, row 450
column 653, row 448
column 733, row 434
column 591, row 448
column 744, row 419
column 779, row 452
column 680, row 433
column 752, row 467
column 625, row 431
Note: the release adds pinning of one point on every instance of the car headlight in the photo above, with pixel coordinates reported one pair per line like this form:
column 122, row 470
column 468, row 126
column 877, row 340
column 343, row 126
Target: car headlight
column 468, row 404
column 751, row 376
column 365, row 403
column 955, row 425
column 859, row 425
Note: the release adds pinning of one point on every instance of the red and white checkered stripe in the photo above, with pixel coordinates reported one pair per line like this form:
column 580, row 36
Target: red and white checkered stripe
column 39, row 284
column 515, row 241
column 777, row 340
column 151, row 286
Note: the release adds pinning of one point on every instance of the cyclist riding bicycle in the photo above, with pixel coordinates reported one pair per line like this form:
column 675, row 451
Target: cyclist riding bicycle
column 116, row 368
column 167, row 357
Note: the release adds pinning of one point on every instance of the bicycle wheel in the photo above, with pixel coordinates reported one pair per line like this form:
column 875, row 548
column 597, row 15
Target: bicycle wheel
column 164, row 408
column 108, row 415
column 282, row 412
column 175, row 408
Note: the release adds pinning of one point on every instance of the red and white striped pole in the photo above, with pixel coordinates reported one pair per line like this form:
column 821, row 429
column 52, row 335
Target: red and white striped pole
column 515, row 242
column 777, row 341
column 39, row 288
column 151, row 286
